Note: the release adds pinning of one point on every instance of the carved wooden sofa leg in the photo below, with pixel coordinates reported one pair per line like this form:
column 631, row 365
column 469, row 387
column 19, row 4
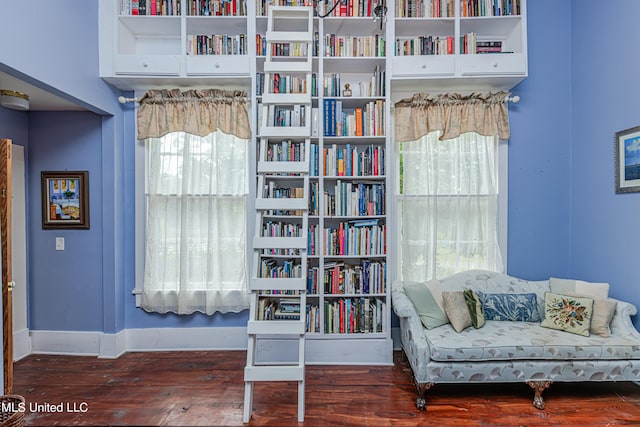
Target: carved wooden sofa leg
column 538, row 387
column 421, row 400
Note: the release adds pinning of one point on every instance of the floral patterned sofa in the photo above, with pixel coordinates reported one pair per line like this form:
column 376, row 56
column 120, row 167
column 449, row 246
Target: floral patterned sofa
column 513, row 351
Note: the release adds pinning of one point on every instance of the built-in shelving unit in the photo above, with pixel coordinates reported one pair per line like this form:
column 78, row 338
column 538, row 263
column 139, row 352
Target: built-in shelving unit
column 381, row 54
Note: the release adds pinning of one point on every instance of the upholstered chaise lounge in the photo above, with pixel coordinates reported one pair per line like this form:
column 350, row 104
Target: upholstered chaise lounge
column 513, row 351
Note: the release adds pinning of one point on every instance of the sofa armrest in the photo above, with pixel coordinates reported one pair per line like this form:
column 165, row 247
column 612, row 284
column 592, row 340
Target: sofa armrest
column 621, row 323
column 402, row 305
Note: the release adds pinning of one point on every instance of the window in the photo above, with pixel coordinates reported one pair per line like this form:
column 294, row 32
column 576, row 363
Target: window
column 448, row 206
column 194, row 220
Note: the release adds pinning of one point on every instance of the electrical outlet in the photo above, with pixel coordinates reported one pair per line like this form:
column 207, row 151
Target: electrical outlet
column 59, row 243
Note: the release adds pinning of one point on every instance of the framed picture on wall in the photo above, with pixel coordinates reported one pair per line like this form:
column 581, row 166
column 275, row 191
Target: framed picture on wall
column 627, row 158
column 65, row 199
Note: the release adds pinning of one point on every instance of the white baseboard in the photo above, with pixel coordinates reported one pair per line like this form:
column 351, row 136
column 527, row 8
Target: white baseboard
column 110, row 346
column 21, row 344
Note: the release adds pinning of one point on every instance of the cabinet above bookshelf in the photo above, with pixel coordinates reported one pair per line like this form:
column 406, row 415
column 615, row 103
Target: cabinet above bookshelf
column 188, row 44
column 466, row 46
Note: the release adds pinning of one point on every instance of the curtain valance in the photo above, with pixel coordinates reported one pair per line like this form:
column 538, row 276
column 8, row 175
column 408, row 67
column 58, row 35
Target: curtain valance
column 198, row 112
column 453, row 114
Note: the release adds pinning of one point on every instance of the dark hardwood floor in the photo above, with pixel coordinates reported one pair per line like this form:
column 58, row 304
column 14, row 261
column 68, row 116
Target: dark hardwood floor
column 206, row 388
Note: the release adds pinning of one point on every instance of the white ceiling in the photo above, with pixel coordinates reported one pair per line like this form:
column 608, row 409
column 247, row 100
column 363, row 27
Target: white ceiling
column 39, row 99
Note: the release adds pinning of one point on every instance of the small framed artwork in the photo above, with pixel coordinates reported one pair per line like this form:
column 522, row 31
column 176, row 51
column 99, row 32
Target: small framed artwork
column 627, row 158
column 65, row 200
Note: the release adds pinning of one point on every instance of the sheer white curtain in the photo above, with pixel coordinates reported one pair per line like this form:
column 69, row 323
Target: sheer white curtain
column 447, row 201
column 195, row 249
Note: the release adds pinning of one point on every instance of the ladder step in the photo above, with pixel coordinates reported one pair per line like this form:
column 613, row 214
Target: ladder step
column 284, row 283
column 289, row 37
column 284, row 204
column 288, row 64
column 285, row 131
column 280, row 242
column 283, row 167
column 276, row 327
column 286, row 98
column 274, row 373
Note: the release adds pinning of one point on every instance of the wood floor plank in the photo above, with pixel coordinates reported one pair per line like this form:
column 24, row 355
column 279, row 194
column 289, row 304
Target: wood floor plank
column 206, row 388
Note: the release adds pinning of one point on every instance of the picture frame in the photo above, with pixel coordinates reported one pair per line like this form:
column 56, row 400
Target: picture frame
column 65, row 199
column 627, row 160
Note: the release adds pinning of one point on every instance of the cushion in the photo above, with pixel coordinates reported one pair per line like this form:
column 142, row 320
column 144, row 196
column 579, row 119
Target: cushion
column 456, row 309
column 603, row 312
column 513, row 307
column 475, row 308
column 431, row 315
column 567, row 313
column 565, row 286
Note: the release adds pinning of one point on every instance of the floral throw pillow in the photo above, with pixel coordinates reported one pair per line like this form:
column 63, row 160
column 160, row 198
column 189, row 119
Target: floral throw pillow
column 567, row 313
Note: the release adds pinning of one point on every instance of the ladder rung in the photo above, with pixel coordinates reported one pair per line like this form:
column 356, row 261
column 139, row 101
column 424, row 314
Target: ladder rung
column 283, row 167
column 276, row 327
column 274, row 373
column 284, row 284
column 288, row 64
column 280, row 242
column 289, row 36
column 286, row 98
column 286, row 131
column 283, row 204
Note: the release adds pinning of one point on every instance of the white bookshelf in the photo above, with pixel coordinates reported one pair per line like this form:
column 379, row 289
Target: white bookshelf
column 144, row 52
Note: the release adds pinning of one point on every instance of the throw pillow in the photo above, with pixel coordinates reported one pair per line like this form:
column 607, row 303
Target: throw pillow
column 567, row 313
column 603, row 312
column 456, row 309
column 475, row 308
column 564, row 286
column 431, row 315
column 513, row 307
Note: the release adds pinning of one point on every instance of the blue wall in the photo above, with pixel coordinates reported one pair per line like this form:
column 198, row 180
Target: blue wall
column 606, row 99
column 539, row 149
column 564, row 218
column 65, row 287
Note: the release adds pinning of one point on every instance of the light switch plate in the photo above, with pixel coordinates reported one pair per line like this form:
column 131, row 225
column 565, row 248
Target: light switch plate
column 59, row 243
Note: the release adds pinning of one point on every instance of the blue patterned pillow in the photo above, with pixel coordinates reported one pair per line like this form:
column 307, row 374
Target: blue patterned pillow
column 514, row 307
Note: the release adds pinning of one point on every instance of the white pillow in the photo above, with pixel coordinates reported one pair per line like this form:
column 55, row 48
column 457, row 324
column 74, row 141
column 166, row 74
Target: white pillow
column 594, row 290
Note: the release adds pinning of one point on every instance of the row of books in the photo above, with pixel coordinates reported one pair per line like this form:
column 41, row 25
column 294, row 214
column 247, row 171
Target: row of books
column 355, row 199
column 261, row 45
column 469, row 44
column 367, row 120
column 347, row 46
column 355, row 238
column 282, row 115
column 489, row 7
column 151, row 7
column 277, row 268
column 285, row 83
column 367, row 278
column 278, row 309
column 285, row 151
column 424, row 45
column 354, row 315
column 354, row 8
column 273, row 191
column 217, row 44
column 353, row 160
column 424, row 9
column 217, row 8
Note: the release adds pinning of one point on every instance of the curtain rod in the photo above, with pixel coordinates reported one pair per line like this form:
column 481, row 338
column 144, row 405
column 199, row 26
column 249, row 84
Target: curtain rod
column 123, row 100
